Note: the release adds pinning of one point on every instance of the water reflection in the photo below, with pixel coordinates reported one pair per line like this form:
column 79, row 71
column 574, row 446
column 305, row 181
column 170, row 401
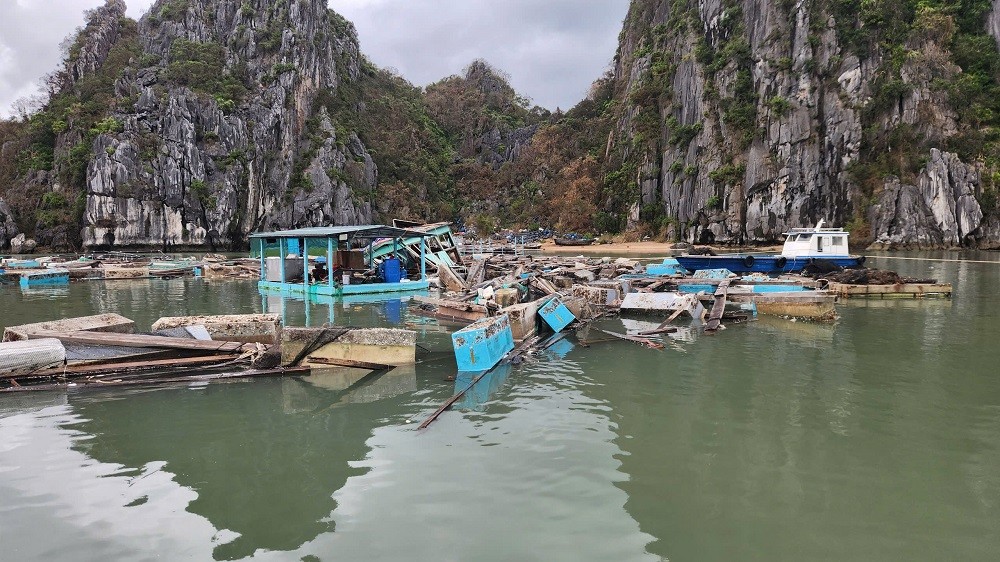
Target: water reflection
column 478, row 394
column 316, row 310
column 143, row 300
column 263, row 459
column 866, row 439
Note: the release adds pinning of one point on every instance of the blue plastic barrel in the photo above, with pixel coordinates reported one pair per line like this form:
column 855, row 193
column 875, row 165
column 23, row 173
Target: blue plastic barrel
column 392, row 270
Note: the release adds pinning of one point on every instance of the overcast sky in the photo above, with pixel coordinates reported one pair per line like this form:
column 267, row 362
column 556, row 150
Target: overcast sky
column 552, row 49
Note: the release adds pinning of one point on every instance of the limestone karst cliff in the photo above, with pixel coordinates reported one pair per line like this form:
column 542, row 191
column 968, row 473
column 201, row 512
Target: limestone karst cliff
column 738, row 120
column 199, row 124
column 719, row 121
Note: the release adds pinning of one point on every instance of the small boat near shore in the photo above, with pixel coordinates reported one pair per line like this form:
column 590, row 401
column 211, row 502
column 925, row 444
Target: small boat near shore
column 803, row 246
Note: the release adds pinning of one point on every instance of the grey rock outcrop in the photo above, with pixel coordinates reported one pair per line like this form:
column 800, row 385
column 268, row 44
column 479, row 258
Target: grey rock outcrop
column 21, row 244
column 101, row 37
column 940, row 211
column 902, row 220
column 8, row 228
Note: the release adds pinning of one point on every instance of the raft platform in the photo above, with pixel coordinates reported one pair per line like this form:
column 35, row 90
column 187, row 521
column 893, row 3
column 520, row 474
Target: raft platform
column 898, row 291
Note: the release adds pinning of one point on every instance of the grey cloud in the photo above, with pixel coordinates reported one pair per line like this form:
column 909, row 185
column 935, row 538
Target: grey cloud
column 552, row 49
column 30, row 34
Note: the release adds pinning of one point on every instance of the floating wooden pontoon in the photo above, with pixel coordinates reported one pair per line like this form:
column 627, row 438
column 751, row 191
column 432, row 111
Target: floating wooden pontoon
column 898, row 291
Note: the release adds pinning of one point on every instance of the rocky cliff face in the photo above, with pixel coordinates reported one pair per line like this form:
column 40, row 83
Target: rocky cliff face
column 722, row 121
column 8, row 229
column 223, row 137
column 939, row 211
column 740, row 120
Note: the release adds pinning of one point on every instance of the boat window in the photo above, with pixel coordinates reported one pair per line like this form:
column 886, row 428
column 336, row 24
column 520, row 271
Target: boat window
column 819, row 243
column 838, row 240
column 792, row 237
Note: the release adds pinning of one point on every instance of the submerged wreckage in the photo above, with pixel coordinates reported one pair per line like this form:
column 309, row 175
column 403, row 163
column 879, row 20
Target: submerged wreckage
column 500, row 308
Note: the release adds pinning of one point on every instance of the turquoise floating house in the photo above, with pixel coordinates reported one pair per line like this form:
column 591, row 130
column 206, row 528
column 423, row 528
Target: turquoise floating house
column 338, row 260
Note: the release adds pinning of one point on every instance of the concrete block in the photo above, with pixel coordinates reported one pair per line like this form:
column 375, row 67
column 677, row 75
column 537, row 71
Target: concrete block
column 245, row 328
column 114, row 323
column 387, row 346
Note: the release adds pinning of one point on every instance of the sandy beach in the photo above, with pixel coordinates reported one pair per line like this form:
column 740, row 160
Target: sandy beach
column 648, row 249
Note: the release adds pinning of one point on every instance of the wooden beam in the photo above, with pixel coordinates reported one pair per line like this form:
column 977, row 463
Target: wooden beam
column 130, row 367
column 139, row 340
column 458, row 305
column 349, row 363
column 641, row 341
column 719, row 308
column 100, row 383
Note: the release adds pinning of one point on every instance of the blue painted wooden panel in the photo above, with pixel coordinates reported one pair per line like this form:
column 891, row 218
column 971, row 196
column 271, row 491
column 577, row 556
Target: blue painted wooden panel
column 670, row 266
column 481, row 345
column 51, row 277
column 556, row 315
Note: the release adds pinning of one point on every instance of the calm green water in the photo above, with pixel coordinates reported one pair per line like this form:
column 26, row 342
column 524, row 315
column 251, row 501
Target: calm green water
column 877, row 438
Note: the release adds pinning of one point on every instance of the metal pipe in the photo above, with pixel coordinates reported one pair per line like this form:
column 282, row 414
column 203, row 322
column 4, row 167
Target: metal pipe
column 423, row 259
column 305, row 266
column 281, row 263
column 329, row 266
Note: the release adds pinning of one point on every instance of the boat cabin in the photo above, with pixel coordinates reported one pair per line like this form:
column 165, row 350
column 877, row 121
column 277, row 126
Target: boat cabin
column 816, row 242
column 340, row 260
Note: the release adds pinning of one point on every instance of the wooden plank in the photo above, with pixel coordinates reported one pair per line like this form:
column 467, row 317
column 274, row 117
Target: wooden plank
column 349, row 363
column 519, row 351
column 457, row 305
column 719, row 308
column 134, row 366
column 100, row 383
column 664, row 327
column 452, row 282
column 138, row 340
column 477, row 272
column 641, row 341
column 652, row 287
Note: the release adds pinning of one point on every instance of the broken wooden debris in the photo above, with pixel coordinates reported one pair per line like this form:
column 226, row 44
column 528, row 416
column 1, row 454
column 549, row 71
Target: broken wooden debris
column 169, row 379
column 481, row 345
column 715, row 317
column 652, row 344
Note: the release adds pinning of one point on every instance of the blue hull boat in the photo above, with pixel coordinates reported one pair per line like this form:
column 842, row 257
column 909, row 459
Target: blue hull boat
column 751, row 263
column 802, row 247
